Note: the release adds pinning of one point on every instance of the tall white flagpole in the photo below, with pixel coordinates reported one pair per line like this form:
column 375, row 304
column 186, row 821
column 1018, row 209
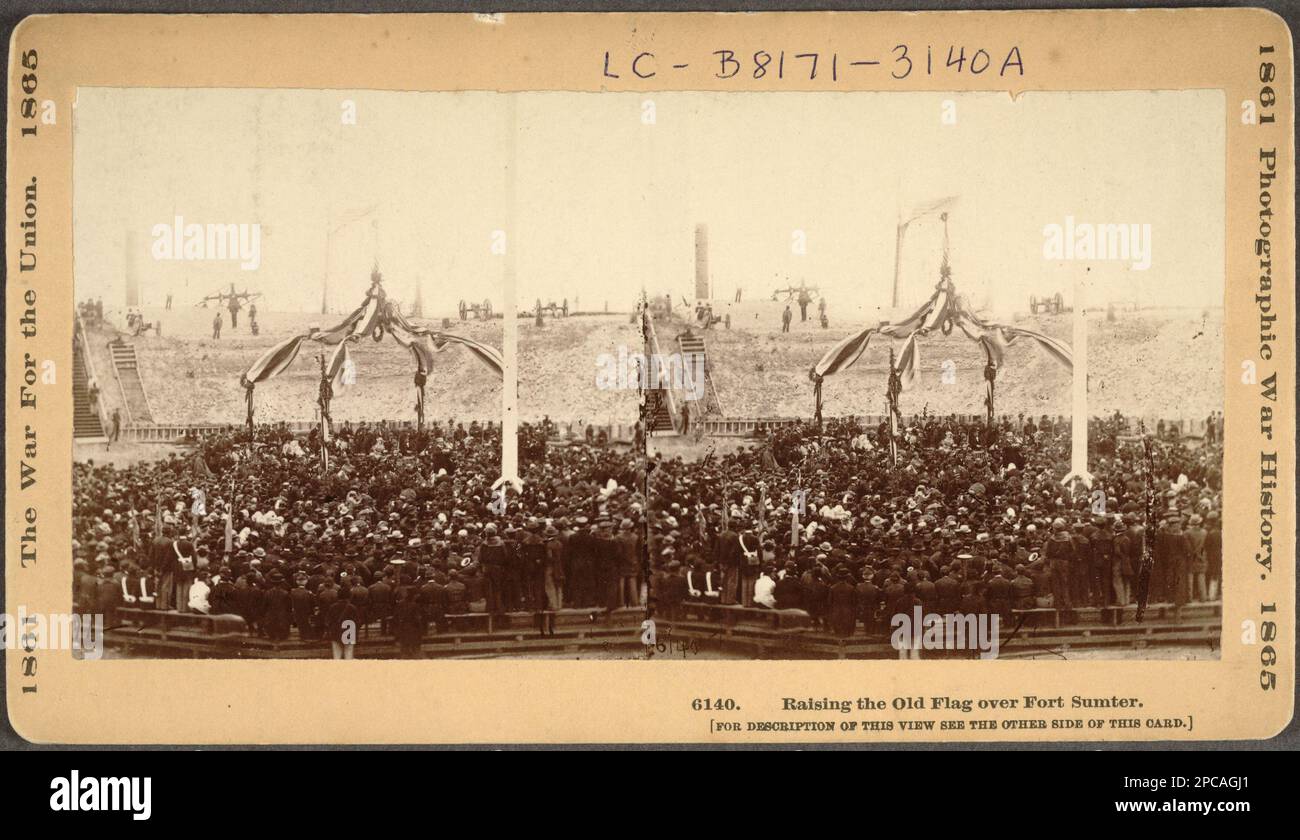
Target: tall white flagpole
column 1079, row 409
column 510, row 323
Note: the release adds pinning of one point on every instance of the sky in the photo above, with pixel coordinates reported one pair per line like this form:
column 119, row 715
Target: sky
column 604, row 201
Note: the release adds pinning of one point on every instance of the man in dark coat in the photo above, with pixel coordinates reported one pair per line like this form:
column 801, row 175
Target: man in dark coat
column 605, row 567
column 670, row 590
column 1022, row 590
column 998, row 593
column 629, row 564
column 457, row 594
column 580, row 552
column 277, row 609
column 222, row 598
column 1059, row 553
column 531, row 551
column 789, row 592
column 303, row 605
column 947, row 591
column 1213, row 555
column 842, row 604
column 162, row 559
column 1175, row 555
column 727, row 557
column 409, row 623
column 898, row 601
column 868, row 600
column 491, row 556
column 433, row 598
column 816, row 598
column 380, row 602
column 1103, row 557
column 1081, row 567
column 109, row 596
column 342, row 624
column 926, row 591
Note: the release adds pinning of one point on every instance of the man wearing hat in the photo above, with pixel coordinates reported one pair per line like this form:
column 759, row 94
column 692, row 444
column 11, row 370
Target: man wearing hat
column 1196, row 564
column 1022, row 590
column 1172, row 558
column 491, row 557
column 379, row 603
column 409, row 623
column 580, row 552
column 727, row 558
column 842, row 604
column 1213, row 554
column 869, row 597
column 789, row 591
column 552, row 576
column 277, row 610
column 1059, row 553
column 302, row 604
column 1081, row 566
column 629, row 565
column 670, row 588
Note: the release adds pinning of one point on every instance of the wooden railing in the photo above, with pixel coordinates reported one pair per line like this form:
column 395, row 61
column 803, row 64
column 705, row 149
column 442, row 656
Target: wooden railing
column 88, row 360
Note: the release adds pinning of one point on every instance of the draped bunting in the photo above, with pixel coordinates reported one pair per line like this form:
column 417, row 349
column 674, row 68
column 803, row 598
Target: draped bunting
column 337, row 368
column 944, row 309
column 373, row 318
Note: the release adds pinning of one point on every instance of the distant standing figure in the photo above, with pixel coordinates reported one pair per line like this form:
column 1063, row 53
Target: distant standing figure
column 117, row 426
column 804, row 300
column 216, row 327
column 233, row 306
column 168, row 305
column 786, row 317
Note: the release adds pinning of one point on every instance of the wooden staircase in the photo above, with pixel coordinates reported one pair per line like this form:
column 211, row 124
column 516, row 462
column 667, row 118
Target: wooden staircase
column 85, row 420
column 127, row 368
column 661, row 418
column 695, row 357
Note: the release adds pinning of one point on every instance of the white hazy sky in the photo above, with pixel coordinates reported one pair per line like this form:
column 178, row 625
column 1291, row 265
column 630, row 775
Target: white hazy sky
column 604, row 203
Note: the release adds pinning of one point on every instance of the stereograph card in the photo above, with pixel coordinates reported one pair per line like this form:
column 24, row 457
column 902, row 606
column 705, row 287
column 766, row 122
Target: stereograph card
column 714, row 378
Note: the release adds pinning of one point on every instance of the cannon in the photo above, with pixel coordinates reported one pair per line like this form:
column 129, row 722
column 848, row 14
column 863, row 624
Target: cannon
column 554, row 309
column 792, row 293
column 482, row 311
column 1053, row 305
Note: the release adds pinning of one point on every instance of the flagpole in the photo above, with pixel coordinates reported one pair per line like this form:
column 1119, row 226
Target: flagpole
column 891, row 394
column 324, row 400
column 990, row 378
column 510, row 325
column 1079, row 408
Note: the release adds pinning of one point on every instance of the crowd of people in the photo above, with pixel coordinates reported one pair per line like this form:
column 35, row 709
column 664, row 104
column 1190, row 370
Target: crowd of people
column 406, row 528
column 971, row 519
column 402, row 530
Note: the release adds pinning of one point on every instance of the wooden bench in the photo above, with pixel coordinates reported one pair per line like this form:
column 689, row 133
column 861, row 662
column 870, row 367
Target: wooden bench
column 167, row 620
column 731, row 616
